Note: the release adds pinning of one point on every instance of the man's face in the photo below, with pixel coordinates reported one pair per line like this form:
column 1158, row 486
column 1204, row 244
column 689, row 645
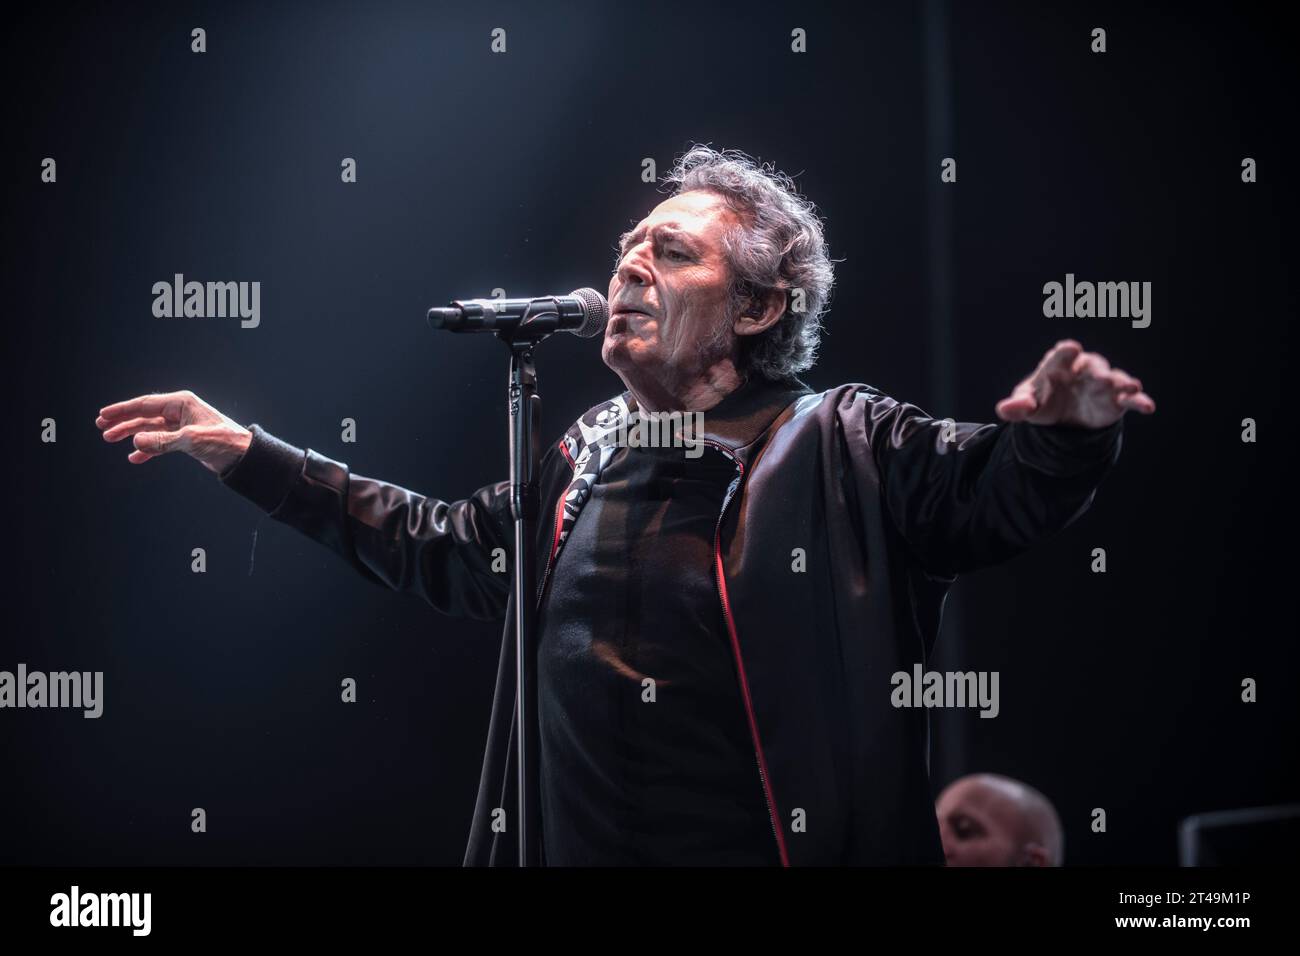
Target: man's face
column 669, row 295
column 979, row 825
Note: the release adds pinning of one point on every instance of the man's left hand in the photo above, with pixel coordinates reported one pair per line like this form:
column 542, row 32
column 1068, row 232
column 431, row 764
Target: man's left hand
column 1074, row 387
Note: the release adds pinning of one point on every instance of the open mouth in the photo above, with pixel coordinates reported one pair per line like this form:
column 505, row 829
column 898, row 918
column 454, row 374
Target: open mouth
column 621, row 321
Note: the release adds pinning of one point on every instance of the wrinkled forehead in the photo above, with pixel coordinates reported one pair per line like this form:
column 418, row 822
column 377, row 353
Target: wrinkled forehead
column 697, row 213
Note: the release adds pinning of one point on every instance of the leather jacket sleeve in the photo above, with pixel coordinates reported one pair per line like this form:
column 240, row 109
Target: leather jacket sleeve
column 441, row 551
column 965, row 495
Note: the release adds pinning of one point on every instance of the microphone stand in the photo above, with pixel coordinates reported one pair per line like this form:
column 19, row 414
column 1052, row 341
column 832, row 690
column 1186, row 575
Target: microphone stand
column 539, row 319
column 525, row 417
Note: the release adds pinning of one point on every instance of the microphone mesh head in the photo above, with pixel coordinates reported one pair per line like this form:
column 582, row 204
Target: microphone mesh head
column 596, row 313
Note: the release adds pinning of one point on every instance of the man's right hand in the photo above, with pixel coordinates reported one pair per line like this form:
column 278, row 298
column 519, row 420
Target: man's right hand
column 176, row 421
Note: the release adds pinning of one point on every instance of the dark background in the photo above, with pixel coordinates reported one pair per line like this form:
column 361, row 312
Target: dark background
column 476, row 171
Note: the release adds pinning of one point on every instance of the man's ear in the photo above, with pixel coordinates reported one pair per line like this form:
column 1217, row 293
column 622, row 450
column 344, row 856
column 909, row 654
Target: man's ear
column 760, row 312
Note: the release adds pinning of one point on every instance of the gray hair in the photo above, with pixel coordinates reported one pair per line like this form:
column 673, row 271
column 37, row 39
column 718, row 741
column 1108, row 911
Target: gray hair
column 778, row 245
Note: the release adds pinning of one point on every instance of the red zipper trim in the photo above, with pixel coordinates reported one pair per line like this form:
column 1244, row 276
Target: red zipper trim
column 555, row 537
column 559, row 507
column 749, row 704
column 740, row 662
column 555, row 545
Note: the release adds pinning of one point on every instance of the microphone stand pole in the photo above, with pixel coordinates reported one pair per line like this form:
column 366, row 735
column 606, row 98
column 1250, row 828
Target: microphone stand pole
column 525, row 417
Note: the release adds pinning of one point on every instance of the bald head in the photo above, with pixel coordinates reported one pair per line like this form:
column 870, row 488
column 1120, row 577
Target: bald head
column 989, row 820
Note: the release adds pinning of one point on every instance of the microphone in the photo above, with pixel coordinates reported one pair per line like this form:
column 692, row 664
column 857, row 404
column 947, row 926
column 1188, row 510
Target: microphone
column 584, row 312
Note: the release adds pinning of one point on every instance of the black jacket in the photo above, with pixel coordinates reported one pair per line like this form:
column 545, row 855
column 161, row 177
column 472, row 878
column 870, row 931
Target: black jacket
column 887, row 505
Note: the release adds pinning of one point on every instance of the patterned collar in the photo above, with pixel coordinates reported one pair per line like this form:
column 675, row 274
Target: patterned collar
column 732, row 424
column 731, row 427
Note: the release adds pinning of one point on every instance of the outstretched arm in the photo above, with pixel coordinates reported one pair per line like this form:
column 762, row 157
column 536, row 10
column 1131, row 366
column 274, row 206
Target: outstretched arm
column 442, row 551
column 968, row 495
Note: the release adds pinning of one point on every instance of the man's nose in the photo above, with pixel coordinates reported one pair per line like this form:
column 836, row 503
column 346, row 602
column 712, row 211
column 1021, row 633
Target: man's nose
column 633, row 270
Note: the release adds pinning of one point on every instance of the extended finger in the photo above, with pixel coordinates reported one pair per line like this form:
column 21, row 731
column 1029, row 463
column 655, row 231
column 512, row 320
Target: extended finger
column 1015, row 409
column 1021, row 403
column 1055, row 367
column 159, row 443
column 1122, row 381
column 141, row 405
column 1139, row 402
column 127, row 428
column 1091, row 365
column 1058, row 357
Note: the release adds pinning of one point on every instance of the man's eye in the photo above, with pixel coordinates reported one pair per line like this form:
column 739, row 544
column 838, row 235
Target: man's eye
column 677, row 253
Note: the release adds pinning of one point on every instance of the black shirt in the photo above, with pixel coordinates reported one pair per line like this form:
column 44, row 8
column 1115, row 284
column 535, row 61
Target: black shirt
column 627, row 781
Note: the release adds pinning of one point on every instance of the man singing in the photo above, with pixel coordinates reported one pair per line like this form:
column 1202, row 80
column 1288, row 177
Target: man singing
column 716, row 631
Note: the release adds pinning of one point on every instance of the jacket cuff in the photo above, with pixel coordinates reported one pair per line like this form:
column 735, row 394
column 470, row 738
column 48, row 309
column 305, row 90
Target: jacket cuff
column 1066, row 450
column 267, row 471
